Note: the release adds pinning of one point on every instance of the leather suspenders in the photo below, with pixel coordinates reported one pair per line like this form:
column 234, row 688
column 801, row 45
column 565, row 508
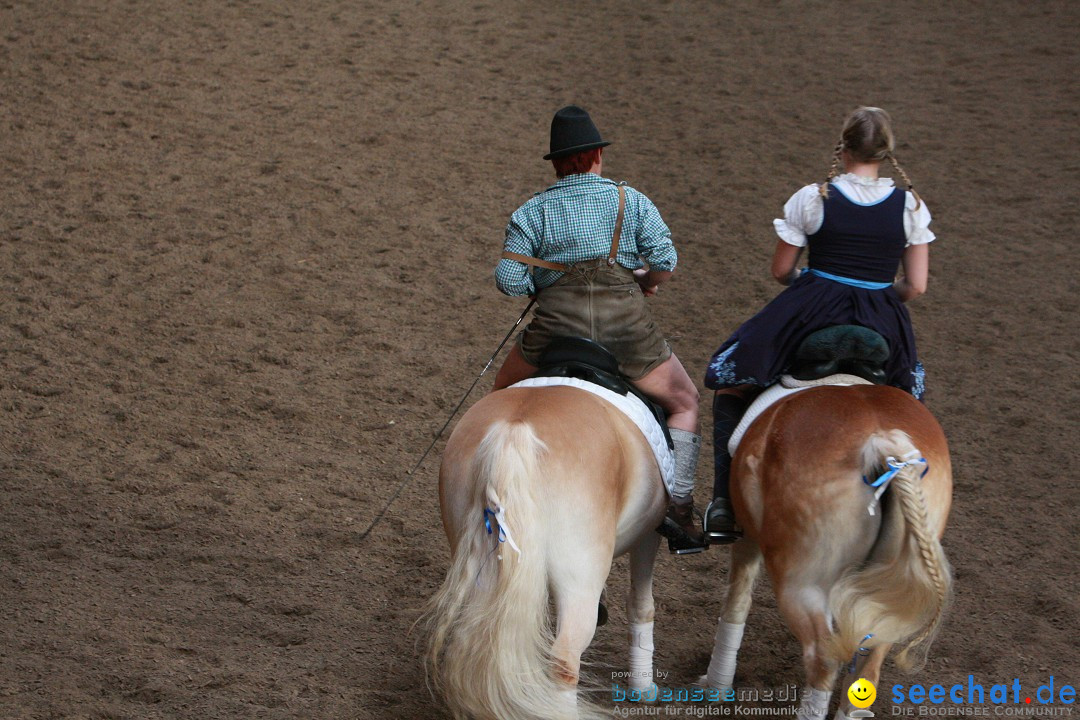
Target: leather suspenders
column 534, row 261
column 563, row 268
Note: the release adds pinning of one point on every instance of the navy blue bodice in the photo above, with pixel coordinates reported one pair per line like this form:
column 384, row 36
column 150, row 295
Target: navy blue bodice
column 864, row 242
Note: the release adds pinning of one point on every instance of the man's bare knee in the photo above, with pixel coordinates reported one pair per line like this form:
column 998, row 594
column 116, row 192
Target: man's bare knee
column 671, row 387
column 683, row 400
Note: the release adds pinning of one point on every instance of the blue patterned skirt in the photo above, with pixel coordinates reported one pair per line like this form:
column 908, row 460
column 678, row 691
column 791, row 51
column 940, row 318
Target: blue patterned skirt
column 759, row 352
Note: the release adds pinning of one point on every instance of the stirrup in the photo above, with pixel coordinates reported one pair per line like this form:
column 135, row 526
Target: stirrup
column 725, row 536
column 679, row 543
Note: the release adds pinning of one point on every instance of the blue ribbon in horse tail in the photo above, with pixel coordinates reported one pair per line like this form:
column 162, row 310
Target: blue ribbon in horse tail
column 861, row 652
column 499, row 514
column 883, row 480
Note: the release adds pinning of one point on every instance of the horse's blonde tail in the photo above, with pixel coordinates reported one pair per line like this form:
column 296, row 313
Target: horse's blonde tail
column 489, row 652
column 901, row 593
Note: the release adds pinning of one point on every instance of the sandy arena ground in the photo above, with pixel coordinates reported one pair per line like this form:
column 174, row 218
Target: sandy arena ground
column 246, row 255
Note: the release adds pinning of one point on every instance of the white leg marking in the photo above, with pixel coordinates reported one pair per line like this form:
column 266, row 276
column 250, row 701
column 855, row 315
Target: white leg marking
column 569, row 698
column 721, row 672
column 641, row 655
column 815, row 704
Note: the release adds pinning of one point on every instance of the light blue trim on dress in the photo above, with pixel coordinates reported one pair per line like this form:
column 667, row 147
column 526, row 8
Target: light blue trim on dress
column 864, row 284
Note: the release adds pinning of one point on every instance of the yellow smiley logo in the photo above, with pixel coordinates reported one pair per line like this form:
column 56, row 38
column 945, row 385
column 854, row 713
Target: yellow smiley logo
column 862, row 693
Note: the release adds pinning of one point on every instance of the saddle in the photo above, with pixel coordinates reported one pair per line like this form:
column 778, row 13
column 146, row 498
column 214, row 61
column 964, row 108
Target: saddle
column 838, row 355
column 847, row 349
column 588, row 360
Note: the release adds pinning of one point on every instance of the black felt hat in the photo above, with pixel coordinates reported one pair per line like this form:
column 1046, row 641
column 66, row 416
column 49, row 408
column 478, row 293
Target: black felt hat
column 573, row 131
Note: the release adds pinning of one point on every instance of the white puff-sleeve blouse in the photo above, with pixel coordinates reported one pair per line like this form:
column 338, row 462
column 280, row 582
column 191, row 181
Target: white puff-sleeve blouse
column 805, row 211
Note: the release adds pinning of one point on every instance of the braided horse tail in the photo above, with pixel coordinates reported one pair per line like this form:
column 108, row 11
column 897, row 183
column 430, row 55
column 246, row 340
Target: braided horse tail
column 900, row 594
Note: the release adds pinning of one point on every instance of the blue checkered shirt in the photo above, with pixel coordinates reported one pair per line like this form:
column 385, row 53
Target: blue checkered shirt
column 573, row 220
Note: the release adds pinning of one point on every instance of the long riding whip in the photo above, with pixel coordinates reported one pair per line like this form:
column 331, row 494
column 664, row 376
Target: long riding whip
column 401, row 486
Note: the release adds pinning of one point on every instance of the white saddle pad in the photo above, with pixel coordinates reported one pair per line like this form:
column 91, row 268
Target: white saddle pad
column 787, row 386
column 630, row 406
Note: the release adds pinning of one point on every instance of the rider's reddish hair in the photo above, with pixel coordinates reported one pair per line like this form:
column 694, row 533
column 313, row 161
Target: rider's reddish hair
column 577, row 163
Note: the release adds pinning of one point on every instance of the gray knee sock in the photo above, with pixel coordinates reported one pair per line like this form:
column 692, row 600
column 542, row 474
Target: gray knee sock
column 687, row 447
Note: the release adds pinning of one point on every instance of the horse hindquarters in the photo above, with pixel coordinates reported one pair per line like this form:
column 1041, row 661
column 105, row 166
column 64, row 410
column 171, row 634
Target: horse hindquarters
column 900, row 596
column 490, row 615
column 797, row 492
column 490, row 652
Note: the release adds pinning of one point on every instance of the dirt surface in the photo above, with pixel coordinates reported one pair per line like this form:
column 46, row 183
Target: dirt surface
column 246, row 255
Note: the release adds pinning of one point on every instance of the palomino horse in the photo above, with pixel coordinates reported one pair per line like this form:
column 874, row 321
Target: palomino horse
column 540, row 488
column 852, row 577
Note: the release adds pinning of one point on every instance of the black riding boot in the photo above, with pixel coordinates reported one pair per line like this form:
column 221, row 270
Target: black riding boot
column 720, row 526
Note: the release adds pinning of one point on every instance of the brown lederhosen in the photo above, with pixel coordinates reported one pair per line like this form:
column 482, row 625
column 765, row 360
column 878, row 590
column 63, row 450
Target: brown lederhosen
column 598, row 299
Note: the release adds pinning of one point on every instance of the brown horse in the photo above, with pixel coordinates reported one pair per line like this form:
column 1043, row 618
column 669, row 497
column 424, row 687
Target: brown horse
column 853, row 576
column 540, row 488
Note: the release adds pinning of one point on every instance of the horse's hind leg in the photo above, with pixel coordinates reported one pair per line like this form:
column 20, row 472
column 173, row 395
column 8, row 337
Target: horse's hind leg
column 806, row 610
column 745, row 566
column 576, row 590
column 868, row 667
column 640, row 610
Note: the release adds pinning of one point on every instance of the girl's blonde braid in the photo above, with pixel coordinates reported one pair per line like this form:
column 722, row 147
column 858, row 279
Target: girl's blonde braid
column 834, row 170
column 907, row 180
